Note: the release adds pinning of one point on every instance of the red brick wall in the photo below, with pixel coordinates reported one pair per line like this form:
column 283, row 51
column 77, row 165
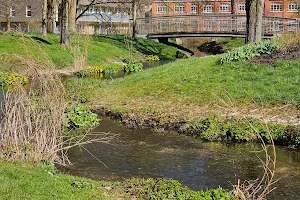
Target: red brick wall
column 171, row 8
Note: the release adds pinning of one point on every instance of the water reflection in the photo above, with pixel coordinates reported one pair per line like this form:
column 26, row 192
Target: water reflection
column 143, row 153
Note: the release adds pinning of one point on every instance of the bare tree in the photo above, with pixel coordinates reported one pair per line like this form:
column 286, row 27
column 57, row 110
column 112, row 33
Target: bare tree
column 72, row 16
column 254, row 14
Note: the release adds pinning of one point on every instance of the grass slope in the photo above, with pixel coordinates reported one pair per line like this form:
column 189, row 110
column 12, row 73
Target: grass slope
column 195, row 87
column 102, row 50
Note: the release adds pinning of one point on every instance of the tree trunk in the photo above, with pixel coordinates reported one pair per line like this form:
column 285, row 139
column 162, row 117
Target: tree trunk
column 8, row 19
column 134, row 12
column 8, row 23
column 254, row 14
column 259, row 20
column 50, row 16
column 72, row 16
column 44, row 18
column 65, row 34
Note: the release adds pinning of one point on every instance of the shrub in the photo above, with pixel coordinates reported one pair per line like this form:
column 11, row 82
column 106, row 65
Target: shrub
column 95, row 71
column 78, row 116
column 132, row 66
column 8, row 79
column 152, row 58
column 249, row 51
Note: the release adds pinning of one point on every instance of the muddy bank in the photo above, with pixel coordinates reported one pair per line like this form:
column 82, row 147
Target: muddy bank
column 215, row 129
column 291, row 54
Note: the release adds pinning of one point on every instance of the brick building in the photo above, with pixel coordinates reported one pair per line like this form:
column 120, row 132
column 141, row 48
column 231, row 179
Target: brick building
column 273, row 8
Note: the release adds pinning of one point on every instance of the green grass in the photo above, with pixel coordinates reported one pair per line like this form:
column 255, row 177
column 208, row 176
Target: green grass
column 102, row 50
column 20, row 182
column 195, row 87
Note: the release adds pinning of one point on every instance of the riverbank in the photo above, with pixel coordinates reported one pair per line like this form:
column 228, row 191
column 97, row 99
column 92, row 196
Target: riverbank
column 24, row 182
column 197, row 95
column 85, row 51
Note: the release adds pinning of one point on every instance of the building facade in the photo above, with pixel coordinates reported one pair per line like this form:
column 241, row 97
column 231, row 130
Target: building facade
column 272, row 8
column 23, row 15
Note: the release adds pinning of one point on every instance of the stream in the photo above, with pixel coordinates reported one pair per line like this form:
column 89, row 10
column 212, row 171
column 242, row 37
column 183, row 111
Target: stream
column 198, row 165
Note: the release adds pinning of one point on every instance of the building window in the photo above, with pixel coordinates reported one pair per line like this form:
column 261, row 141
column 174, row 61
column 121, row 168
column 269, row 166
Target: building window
column 179, row 9
column 241, row 7
column 293, row 7
column 208, row 8
column 28, row 11
column 13, row 11
column 224, row 8
column 161, row 9
column 276, row 7
column 194, row 8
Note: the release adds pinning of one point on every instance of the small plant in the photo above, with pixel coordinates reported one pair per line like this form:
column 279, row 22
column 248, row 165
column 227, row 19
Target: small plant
column 249, row 51
column 152, row 58
column 8, row 79
column 170, row 189
column 78, row 116
column 96, row 71
column 109, row 70
column 132, row 66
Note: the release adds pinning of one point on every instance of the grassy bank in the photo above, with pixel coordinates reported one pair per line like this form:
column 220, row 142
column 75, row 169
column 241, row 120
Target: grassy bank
column 102, row 50
column 20, row 182
column 196, row 87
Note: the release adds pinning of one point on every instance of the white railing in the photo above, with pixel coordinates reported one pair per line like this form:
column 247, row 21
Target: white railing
column 212, row 24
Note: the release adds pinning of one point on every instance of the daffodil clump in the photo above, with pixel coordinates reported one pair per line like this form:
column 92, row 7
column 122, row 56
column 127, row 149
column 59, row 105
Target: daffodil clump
column 96, row 71
column 152, row 58
column 8, row 79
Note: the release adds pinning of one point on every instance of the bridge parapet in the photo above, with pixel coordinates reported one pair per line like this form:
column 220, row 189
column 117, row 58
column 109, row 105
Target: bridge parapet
column 226, row 24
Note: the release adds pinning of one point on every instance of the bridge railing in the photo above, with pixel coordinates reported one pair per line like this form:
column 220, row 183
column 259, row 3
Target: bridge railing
column 212, row 23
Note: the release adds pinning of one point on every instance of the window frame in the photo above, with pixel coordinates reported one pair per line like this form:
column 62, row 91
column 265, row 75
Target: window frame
column 223, row 6
column 294, row 4
column 162, row 9
column 28, row 10
column 241, row 5
column 208, row 6
column 276, row 5
column 179, row 9
column 13, row 11
column 194, row 8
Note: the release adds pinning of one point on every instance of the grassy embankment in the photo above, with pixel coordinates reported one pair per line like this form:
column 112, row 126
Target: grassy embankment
column 107, row 51
column 21, row 182
column 197, row 89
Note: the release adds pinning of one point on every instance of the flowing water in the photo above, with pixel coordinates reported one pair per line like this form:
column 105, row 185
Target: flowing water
column 198, row 165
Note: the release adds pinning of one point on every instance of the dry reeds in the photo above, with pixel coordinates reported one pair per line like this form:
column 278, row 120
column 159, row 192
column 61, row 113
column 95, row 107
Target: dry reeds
column 31, row 127
column 259, row 189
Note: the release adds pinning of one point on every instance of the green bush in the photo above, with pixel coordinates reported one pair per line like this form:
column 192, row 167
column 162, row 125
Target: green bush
column 8, row 79
column 250, row 50
column 78, row 116
column 162, row 188
column 132, row 66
